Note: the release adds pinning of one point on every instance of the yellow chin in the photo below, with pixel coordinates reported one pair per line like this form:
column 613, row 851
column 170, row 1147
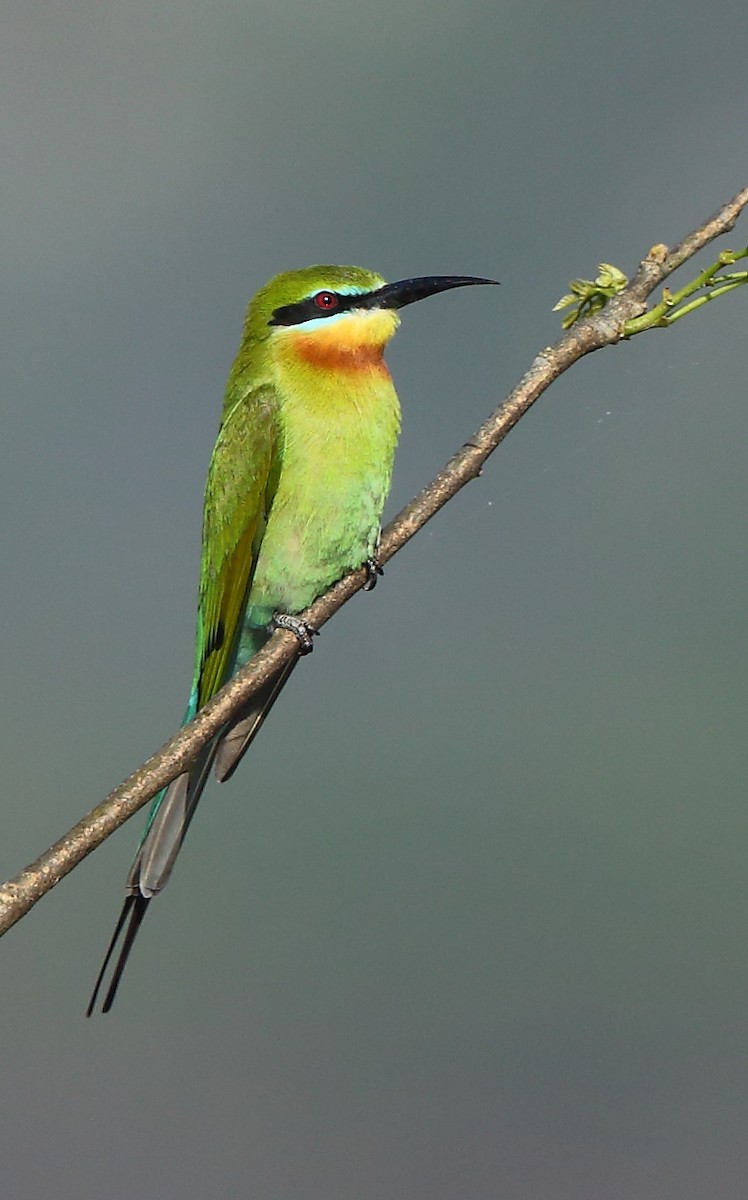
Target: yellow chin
column 353, row 341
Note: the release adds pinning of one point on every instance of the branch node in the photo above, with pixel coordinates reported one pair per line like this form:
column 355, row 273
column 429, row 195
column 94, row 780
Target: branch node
column 657, row 254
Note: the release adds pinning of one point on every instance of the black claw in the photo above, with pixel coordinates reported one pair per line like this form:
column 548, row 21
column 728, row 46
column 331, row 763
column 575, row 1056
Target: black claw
column 373, row 569
column 303, row 632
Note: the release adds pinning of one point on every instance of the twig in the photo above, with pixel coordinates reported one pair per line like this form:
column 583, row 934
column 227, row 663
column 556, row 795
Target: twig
column 604, row 328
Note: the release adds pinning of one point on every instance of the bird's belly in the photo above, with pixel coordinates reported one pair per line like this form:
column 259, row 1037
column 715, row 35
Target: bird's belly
column 325, row 515
column 308, row 546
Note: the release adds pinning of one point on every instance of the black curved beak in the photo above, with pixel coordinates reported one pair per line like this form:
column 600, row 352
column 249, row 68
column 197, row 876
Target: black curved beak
column 407, row 291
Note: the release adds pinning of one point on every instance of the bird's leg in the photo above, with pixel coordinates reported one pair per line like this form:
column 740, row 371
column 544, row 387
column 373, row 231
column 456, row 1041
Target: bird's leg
column 373, row 569
column 303, row 632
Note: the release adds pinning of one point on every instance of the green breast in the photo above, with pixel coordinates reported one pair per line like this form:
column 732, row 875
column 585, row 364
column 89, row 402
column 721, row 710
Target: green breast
column 336, row 466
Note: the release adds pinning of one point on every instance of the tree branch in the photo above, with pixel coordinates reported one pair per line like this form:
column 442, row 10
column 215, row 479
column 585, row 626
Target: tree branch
column 604, row 328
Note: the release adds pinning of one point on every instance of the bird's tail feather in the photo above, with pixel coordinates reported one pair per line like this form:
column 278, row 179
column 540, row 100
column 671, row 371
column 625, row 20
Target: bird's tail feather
column 134, row 907
column 170, row 817
column 168, row 826
column 234, row 743
column 171, row 813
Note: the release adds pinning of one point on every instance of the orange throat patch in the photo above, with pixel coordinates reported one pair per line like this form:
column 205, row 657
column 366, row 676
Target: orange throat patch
column 353, row 343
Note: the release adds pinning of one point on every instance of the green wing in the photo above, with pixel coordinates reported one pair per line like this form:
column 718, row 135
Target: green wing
column 241, row 483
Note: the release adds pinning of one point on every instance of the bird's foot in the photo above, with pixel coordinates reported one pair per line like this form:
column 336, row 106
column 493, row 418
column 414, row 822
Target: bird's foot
column 373, row 569
column 303, row 632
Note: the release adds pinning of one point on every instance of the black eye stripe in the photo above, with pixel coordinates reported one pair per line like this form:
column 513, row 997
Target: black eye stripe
column 308, row 310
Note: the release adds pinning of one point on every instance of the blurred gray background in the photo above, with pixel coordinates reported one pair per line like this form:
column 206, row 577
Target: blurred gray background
column 470, row 922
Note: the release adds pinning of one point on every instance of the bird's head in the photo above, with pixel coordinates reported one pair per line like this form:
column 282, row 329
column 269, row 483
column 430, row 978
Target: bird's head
column 338, row 317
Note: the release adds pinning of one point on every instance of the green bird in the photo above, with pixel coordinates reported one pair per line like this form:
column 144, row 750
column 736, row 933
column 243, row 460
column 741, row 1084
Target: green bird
column 296, row 487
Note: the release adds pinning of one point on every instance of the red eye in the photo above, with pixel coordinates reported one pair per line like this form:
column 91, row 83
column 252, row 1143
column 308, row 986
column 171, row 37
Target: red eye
column 326, row 300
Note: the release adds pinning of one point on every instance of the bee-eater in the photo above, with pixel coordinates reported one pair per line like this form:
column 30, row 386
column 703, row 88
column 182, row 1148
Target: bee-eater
column 296, row 487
